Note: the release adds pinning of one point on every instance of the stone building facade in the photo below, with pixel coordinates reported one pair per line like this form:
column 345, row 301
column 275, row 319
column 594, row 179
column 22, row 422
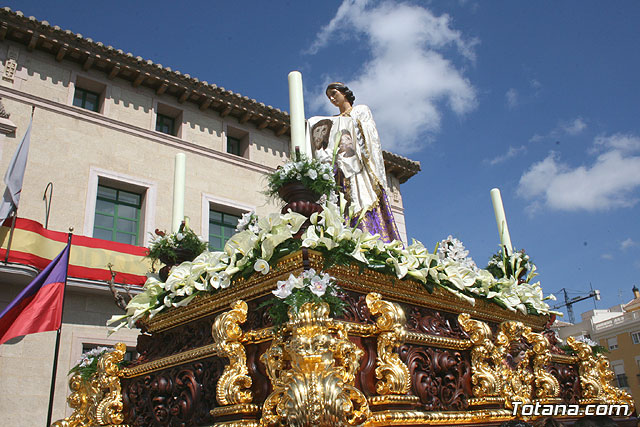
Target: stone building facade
column 106, row 129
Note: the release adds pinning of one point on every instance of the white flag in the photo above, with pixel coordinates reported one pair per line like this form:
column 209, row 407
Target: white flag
column 14, row 176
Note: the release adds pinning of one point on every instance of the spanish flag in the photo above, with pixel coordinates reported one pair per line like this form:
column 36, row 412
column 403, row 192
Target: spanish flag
column 38, row 308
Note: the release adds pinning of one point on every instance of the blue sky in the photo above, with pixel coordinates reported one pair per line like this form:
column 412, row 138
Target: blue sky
column 540, row 99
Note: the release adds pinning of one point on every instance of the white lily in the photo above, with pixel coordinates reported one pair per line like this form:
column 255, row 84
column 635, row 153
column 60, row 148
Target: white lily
column 262, row 266
column 240, row 243
column 271, row 240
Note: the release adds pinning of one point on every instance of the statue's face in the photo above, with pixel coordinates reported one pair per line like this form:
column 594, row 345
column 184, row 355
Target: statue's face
column 336, row 97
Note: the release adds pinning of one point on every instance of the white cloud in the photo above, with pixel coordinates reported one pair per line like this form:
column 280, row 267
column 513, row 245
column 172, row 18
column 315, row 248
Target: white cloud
column 407, row 78
column 627, row 243
column 574, row 127
column 606, row 256
column 625, row 143
column 535, row 85
column 571, row 127
column 612, row 181
column 512, row 98
column 511, row 152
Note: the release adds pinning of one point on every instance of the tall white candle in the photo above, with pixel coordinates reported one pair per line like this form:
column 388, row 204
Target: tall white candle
column 501, row 220
column 296, row 107
column 178, row 191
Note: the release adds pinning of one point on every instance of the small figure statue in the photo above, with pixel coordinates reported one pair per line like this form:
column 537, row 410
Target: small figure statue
column 350, row 142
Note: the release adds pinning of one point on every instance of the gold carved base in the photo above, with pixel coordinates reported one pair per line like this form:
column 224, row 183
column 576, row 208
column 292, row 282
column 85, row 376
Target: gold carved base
column 315, row 364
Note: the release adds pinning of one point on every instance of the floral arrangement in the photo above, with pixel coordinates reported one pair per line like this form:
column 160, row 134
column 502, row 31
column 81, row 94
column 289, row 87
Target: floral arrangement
column 307, row 287
column 517, row 264
column 169, row 248
column 259, row 248
column 313, row 174
column 88, row 363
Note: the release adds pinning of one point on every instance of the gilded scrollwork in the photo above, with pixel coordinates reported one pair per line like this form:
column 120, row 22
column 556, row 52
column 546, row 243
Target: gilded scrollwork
column 547, row 385
column 514, row 363
column 589, row 381
column 503, row 366
column 316, row 386
column 485, row 378
column 109, row 409
column 234, row 383
column 97, row 401
column 79, row 401
column 393, row 375
column 613, row 394
column 596, row 376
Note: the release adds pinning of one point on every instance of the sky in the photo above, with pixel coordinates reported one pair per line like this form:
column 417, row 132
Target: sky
column 540, row 99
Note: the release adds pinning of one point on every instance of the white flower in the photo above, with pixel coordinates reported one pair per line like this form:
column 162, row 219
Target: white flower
column 283, row 289
column 326, row 176
column 318, row 286
column 311, row 173
column 219, row 280
column 262, row 266
column 179, row 236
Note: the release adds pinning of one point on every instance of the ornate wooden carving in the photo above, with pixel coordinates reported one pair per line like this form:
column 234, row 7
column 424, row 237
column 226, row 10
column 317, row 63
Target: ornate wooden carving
column 176, row 340
column 432, row 322
column 440, row 378
column 568, row 380
column 181, row 396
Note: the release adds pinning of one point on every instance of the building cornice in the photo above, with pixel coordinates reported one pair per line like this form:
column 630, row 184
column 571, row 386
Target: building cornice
column 158, row 137
column 401, row 167
column 115, row 63
column 66, row 45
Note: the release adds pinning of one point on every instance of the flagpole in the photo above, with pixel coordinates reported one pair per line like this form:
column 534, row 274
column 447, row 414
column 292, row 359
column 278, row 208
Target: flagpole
column 13, row 227
column 15, row 211
column 58, row 333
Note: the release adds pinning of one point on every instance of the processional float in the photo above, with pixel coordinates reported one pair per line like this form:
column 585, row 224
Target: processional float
column 409, row 346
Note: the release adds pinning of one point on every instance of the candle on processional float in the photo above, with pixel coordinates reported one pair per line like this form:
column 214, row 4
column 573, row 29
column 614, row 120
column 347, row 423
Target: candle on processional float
column 178, row 191
column 296, row 114
column 501, row 220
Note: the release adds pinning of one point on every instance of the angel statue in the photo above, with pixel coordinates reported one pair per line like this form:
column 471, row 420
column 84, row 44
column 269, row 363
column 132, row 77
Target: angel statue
column 350, row 142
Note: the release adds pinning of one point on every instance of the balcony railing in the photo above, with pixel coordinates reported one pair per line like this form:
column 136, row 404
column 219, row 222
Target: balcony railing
column 610, row 323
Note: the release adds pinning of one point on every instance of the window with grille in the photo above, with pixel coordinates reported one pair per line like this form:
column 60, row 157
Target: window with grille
column 635, row 337
column 221, row 226
column 117, row 215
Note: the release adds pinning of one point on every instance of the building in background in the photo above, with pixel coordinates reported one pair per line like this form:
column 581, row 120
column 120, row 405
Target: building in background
column 618, row 330
column 106, row 129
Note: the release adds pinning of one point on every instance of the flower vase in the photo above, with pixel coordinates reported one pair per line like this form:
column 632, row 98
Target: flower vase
column 182, row 255
column 300, row 199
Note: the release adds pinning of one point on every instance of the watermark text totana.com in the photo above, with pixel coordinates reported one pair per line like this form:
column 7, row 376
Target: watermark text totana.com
column 547, row 410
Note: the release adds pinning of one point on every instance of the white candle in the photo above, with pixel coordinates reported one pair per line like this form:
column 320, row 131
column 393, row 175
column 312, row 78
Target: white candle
column 501, row 220
column 178, row 191
column 296, row 107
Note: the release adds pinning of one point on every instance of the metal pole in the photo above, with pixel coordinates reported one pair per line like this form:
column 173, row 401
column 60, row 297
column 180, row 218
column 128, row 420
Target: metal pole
column 13, row 227
column 47, row 206
column 58, row 333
